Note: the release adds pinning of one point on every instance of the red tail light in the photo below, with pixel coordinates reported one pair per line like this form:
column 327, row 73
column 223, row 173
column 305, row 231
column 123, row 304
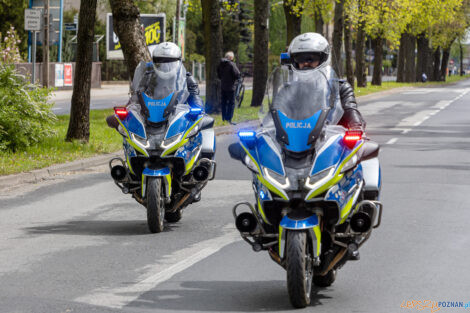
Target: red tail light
column 351, row 137
column 121, row 112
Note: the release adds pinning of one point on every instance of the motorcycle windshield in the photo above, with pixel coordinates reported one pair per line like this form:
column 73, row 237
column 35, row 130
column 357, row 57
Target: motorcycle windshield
column 299, row 103
column 158, row 84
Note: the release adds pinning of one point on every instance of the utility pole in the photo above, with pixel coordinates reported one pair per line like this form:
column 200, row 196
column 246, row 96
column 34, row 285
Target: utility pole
column 45, row 46
column 177, row 19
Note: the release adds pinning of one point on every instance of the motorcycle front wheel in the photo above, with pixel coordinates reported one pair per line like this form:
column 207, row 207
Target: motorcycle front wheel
column 299, row 266
column 155, row 205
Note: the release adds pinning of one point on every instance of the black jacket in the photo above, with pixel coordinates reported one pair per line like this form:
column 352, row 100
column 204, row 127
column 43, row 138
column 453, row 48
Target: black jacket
column 351, row 117
column 228, row 73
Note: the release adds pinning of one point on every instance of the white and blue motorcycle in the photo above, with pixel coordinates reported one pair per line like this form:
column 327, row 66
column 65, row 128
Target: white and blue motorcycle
column 169, row 151
column 316, row 184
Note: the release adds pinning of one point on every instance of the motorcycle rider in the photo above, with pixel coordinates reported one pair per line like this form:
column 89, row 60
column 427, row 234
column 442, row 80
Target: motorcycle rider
column 310, row 51
column 159, row 78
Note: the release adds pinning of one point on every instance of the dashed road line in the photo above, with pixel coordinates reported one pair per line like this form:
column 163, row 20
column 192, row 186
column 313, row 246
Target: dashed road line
column 392, row 141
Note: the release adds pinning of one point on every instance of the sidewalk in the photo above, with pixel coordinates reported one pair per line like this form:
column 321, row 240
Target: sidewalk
column 106, row 90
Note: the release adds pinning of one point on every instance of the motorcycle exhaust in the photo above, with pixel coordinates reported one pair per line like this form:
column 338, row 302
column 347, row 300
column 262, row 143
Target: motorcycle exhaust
column 119, row 173
column 246, row 222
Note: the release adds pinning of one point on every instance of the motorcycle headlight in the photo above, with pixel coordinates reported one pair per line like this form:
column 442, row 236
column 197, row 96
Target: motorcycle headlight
column 276, row 179
column 193, row 131
column 171, row 141
column 313, row 181
column 141, row 141
column 249, row 163
column 350, row 164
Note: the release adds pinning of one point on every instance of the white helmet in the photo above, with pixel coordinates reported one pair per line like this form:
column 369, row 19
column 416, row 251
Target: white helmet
column 166, row 56
column 309, row 47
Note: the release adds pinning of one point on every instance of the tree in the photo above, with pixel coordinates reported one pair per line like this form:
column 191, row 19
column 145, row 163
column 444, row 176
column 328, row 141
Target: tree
column 12, row 14
column 348, row 49
column 79, row 124
column 260, row 60
column 338, row 37
column 293, row 10
column 213, row 43
column 126, row 22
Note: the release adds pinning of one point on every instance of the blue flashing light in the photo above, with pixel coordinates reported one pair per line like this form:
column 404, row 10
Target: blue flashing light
column 262, row 195
column 246, row 134
column 195, row 111
column 285, row 56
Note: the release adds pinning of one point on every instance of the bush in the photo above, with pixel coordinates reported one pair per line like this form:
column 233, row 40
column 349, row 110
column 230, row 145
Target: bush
column 25, row 116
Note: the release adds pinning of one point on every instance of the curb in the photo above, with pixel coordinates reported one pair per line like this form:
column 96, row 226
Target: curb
column 36, row 176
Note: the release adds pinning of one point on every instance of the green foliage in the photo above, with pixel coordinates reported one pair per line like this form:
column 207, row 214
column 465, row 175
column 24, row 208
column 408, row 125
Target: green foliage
column 25, row 115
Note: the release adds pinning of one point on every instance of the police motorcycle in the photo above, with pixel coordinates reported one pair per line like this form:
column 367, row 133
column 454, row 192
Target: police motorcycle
column 169, row 146
column 316, row 184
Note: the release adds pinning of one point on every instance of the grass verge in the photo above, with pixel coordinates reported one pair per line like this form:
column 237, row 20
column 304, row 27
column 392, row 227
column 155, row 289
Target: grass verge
column 103, row 139
column 55, row 150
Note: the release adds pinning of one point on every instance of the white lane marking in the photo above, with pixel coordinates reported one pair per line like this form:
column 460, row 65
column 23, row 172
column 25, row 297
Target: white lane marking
column 442, row 104
column 415, row 119
column 157, row 273
column 392, row 141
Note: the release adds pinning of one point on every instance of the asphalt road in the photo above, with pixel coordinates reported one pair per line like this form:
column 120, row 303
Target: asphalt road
column 77, row 244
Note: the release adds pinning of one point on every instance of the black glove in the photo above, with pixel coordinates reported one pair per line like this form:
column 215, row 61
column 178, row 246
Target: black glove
column 352, row 119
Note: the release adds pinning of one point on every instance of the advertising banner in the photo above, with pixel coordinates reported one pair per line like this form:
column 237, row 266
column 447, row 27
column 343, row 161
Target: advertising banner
column 154, row 30
column 68, row 75
column 59, row 75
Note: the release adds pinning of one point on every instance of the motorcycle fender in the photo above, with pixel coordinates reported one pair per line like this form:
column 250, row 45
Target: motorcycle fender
column 311, row 224
column 164, row 172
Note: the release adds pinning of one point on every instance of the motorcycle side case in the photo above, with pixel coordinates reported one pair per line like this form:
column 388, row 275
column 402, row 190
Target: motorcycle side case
column 372, row 177
column 208, row 141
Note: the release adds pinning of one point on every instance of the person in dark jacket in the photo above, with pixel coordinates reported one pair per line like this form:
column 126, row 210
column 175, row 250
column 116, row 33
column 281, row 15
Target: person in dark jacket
column 229, row 74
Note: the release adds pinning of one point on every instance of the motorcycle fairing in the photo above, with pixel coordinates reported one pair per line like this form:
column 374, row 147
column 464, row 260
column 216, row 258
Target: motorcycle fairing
column 298, row 131
column 346, row 192
column 156, row 107
column 132, row 125
column 252, row 152
column 190, row 152
column 328, row 155
column 262, row 194
column 334, row 175
column 164, row 172
column 129, row 151
column 183, row 125
column 311, row 224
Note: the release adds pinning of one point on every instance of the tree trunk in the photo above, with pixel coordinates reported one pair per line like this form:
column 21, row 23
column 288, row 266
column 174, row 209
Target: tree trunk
column 348, row 51
column 410, row 59
column 422, row 44
column 437, row 64
column 213, row 43
column 260, row 59
column 444, row 63
column 126, row 23
column 293, row 20
column 360, row 57
column 338, row 38
column 79, row 124
column 378, row 57
column 319, row 23
column 461, row 58
column 401, row 60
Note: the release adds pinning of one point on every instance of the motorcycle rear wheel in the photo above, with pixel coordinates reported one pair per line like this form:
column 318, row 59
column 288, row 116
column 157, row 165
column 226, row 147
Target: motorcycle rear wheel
column 155, row 205
column 299, row 268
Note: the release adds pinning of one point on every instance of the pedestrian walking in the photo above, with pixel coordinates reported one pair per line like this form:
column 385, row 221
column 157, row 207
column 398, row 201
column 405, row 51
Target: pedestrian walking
column 229, row 74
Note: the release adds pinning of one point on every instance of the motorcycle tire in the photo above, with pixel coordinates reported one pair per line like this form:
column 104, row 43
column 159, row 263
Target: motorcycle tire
column 326, row 280
column 173, row 217
column 299, row 266
column 155, row 205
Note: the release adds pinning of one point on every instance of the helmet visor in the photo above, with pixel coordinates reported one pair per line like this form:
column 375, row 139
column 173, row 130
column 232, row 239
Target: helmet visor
column 307, row 57
column 167, row 67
